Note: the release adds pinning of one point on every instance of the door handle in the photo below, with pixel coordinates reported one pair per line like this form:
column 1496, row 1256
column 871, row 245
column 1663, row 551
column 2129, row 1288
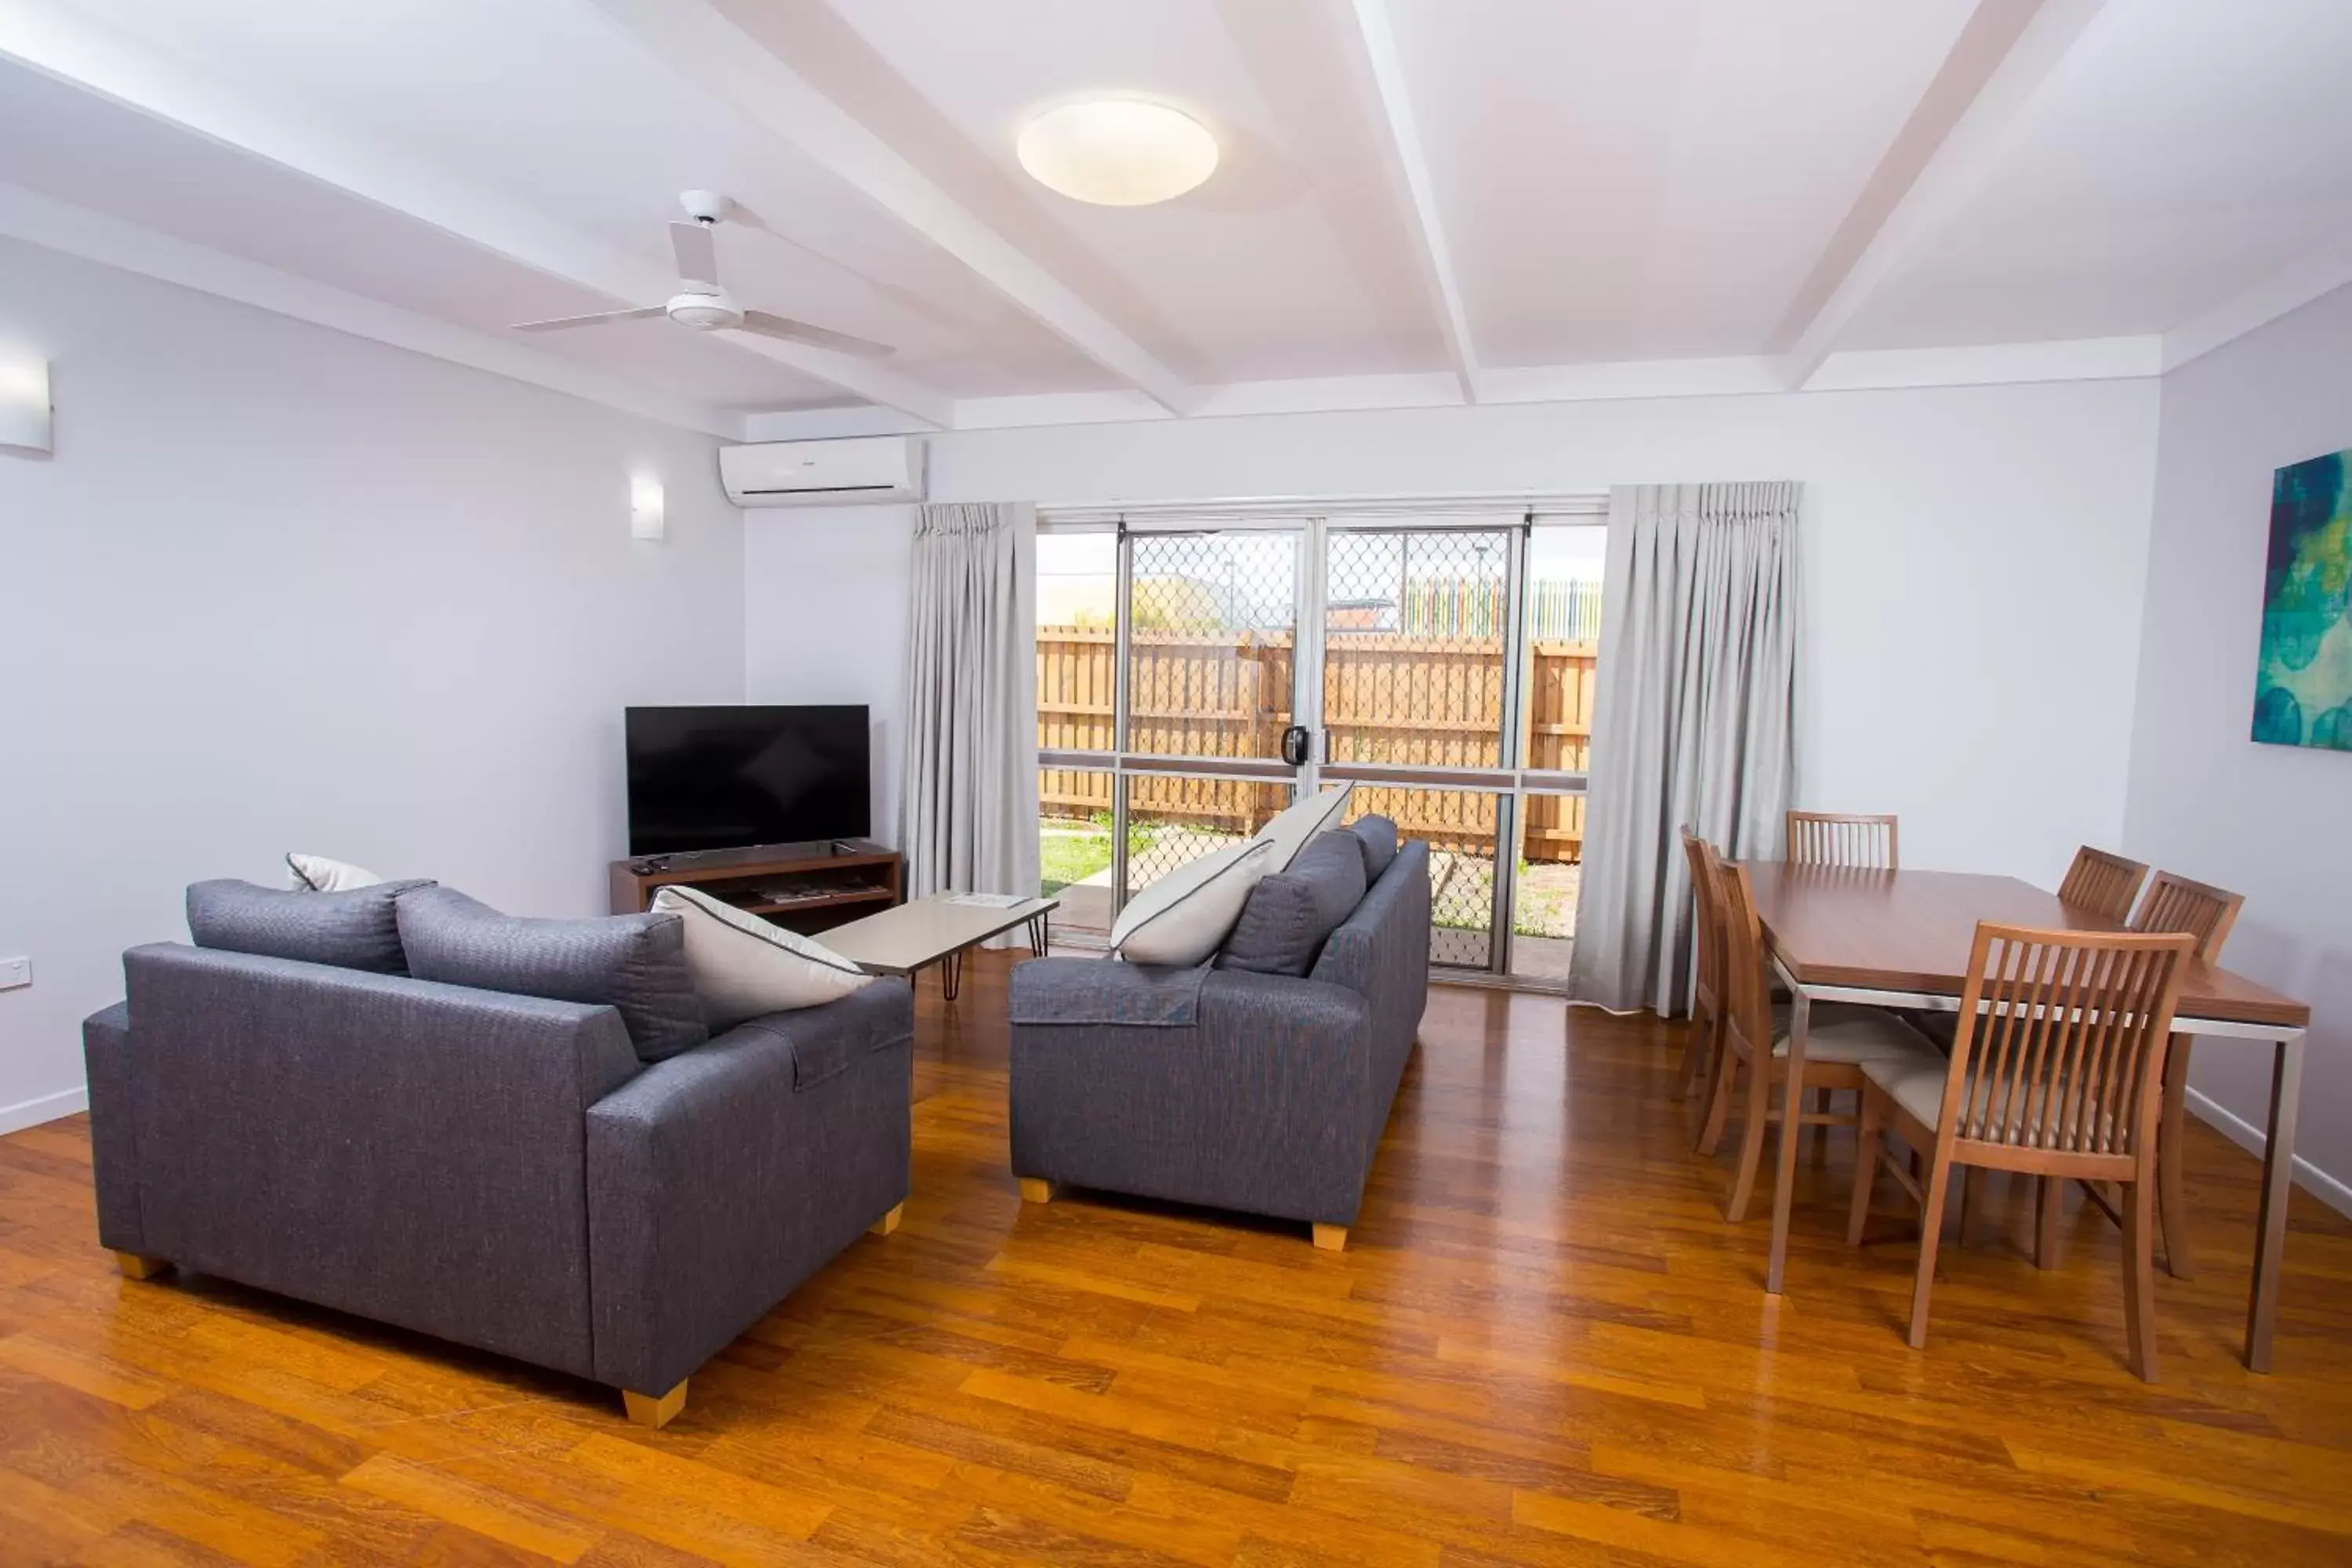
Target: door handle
column 1294, row 741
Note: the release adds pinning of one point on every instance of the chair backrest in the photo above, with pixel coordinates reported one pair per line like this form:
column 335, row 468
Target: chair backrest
column 2103, row 883
column 2176, row 903
column 1747, row 993
column 1831, row 839
column 2066, row 1056
column 1706, row 920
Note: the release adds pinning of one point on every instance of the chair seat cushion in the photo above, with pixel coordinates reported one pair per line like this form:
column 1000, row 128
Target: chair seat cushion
column 1920, row 1091
column 1856, row 1035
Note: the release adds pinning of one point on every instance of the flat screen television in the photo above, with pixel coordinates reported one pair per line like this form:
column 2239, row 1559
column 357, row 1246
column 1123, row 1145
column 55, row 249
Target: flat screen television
column 727, row 778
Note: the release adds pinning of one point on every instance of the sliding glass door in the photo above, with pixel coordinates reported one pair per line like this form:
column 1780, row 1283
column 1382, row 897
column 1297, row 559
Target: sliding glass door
column 1417, row 696
column 1190, row 680
column 1167, row 703
column 1212, row 631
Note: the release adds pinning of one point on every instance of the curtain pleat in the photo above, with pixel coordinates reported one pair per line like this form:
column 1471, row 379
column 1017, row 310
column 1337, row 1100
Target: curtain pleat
column 1694, row 721
column 969, row 794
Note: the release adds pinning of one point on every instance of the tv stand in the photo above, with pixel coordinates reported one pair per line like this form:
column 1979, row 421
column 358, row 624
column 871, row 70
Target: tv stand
column 806, row 888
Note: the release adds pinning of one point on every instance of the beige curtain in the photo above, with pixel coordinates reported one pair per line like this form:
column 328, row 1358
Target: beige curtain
column 969, row 797
column 1694, row 721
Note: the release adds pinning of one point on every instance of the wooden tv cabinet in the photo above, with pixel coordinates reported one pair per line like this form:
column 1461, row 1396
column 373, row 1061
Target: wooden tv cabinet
column 800, row 886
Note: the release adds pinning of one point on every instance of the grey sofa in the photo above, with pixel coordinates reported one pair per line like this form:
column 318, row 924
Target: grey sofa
column 1262, row 1093
column 497, row 1170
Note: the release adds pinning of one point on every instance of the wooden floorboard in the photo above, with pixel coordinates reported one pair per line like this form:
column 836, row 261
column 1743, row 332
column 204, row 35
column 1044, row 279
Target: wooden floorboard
column 1542, row 1345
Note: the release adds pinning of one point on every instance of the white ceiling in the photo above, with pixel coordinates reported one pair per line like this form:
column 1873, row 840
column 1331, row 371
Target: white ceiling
column 1420, row 200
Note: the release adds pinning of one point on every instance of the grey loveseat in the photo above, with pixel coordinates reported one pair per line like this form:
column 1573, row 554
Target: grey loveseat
column 501, row 1171
column 1262, row 1093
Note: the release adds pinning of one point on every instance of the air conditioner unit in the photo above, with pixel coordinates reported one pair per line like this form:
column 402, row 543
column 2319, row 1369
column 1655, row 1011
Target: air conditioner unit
column 823, row 473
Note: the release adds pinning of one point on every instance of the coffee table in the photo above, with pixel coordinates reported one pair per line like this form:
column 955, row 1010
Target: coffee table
column 936, row 930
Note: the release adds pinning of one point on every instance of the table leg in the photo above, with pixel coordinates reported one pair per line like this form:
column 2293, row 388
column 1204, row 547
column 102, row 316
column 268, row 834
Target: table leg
column 1784, row 1151
column 952, row 975
column 2278, row 1185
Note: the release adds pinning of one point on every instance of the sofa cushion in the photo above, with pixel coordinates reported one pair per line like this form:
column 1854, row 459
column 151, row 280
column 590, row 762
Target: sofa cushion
column 353, row 929
column 1289, row 915
column 743, row 966
column 1289, row 833
column 317, row 874
column 1379, row 836
column 1186, row 915
column 635, row 963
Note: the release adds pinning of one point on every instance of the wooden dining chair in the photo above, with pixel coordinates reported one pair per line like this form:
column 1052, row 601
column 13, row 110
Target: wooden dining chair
column 2177, row 904
column 1830, row 838
column 1701, row 1049
column 2060, row 1075
column 2102, row 882
column 1755, row 1042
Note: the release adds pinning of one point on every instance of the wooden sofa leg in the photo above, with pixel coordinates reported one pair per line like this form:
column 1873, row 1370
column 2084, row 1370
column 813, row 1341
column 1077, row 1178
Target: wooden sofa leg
column 654, row 1410
column 136, row 1266
column 1331, row 1237
column 888, row 1222
column 1037, row 1190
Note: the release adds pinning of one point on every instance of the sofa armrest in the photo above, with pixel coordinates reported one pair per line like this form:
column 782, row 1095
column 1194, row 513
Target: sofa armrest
column 113, row 1151
column 1255, row 1107
column 1106, row 991
column 722, row 1177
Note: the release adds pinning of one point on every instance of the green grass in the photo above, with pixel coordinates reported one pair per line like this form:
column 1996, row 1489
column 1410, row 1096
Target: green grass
column 1068, row 858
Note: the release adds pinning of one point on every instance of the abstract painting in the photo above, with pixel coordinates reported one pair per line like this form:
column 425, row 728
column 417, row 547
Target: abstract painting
column 2303, row 686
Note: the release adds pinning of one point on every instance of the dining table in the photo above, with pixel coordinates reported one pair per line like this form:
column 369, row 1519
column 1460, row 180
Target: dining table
column 1903, row 939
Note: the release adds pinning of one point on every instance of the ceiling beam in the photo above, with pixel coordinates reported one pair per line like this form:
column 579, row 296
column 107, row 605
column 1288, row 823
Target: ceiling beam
column 1408, row 167
column 1968, row 116
column 706, row 49
column 63, row 43
column 2319, row 272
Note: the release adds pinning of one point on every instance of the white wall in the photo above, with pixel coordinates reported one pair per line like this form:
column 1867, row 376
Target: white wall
column 825, row 593
column 2274, row 822
column 279, row 588
column 1974, row 559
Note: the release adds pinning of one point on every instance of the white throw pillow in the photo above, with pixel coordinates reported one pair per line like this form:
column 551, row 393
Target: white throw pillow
column 317, row 874
column 743, row 966
column 1289, row 832
column 1187, row 914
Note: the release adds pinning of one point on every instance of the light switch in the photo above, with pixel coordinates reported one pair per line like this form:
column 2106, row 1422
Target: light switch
column 16, row 973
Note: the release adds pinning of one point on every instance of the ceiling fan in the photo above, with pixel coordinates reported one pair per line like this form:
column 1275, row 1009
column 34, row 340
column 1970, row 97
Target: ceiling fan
column 701, row 304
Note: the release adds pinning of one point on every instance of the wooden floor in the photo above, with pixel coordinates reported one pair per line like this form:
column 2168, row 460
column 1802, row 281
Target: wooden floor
column 1542, row 1345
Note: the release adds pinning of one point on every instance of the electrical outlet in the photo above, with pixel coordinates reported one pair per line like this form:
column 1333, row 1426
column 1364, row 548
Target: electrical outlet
column 16, row 973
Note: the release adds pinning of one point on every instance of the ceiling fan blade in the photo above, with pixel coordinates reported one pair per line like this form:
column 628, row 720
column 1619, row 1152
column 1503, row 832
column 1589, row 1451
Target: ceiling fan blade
column 646, row 313
column 697, row 257
column 769, row 326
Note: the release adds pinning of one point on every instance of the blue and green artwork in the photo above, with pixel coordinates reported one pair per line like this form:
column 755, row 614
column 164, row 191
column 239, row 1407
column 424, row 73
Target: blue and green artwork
column 2303, row 687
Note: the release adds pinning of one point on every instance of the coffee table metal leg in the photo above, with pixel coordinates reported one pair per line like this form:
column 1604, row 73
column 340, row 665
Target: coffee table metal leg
column 952, row 975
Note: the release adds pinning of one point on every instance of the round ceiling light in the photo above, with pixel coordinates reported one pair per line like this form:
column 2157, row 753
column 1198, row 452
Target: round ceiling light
column 1117, row 153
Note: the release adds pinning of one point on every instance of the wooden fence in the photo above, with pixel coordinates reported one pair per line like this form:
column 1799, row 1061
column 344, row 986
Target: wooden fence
column 1386, row 699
